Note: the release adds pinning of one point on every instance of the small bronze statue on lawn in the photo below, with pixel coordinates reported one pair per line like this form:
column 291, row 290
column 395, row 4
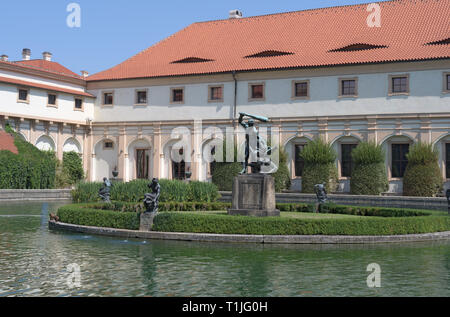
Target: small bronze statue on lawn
column 105, row 191
column 321, row 193
column 151, row 200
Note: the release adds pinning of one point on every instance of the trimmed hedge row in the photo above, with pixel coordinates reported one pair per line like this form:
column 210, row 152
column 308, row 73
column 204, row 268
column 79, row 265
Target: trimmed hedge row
column 189, row 206
column 171, row 190
column 223, row 224
column 371, row 211
column 73, row 214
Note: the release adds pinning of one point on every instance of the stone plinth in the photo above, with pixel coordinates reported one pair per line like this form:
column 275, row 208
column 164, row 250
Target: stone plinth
column 146, row 223
column 254, row 195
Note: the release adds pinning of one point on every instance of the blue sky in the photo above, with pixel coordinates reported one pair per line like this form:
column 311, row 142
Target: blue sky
column 113, row 31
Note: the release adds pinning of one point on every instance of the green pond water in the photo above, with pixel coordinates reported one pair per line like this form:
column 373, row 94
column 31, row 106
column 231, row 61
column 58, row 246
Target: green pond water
column 35, row 262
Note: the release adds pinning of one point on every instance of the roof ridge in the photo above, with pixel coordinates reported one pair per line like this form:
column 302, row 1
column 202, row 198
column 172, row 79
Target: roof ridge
column 306, row 10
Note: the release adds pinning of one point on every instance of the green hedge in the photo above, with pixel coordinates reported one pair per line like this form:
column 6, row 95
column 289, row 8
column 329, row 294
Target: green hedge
column 372, row 211
column 173, row 190
column 223, row 224
column 190, row 206
column 30, row 169
column 423, row 177
column 77, row 215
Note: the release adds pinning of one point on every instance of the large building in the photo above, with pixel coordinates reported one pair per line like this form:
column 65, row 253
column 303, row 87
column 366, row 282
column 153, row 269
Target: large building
column 327, row 73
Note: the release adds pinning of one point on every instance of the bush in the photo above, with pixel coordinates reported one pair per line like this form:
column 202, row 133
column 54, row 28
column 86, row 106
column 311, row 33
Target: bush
column 77, row 215
column 320, row 167
column 73, row 167
column 223, row 175
column 423, row 176
column 224, row 224
column 369, row 175
column 282, row 177
column 371, row 211
column 171, row 190
column 30, row 169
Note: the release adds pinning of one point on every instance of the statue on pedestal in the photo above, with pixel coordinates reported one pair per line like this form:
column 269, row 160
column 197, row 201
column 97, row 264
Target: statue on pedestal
column 260, row 150
column 105, row 191
column 151, row 200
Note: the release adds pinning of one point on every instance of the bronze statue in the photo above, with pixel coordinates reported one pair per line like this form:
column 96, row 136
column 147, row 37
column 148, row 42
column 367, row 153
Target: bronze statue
column 321, row 193
column 105, row 191
column 151, row 200
column 261, row 151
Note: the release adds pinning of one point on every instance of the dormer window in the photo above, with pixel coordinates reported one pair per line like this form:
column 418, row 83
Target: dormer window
column 440, row 42
column 188, row 60
column 358, row 47
column 270, row 53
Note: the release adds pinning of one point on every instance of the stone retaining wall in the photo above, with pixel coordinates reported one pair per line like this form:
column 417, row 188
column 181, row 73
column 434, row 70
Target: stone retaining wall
column 260, row 239
column 375, row 201
column 35, row 194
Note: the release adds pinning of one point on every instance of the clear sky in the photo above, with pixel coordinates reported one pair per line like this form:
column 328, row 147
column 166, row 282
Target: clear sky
column 114, row 30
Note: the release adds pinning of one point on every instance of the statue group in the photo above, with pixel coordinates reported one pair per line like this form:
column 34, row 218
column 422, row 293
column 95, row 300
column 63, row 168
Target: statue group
column 151, row 200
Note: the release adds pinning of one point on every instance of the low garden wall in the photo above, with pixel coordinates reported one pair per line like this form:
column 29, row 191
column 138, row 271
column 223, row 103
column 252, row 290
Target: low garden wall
column 352, row 200
column 34, row 194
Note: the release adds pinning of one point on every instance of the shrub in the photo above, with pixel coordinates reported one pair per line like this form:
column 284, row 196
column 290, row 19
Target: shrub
column 171, row 190
column 30, row 169
column 423, row 176
column 224, row 224
column 369, row 175
column 371, row 211
column 74, row 214
column 73, row 167
column 319, row 167
column 282, row 177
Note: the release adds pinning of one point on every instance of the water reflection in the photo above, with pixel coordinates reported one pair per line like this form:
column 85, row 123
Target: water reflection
column 34, row 262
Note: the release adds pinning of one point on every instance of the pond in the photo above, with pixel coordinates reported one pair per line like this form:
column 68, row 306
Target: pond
column 37, row 262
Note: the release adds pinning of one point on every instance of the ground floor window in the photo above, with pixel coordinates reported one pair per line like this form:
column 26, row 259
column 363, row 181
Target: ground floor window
column 447, row 160
column 399, row 160
column 299, row 163
column 179, row 168
column 346, row 159
column 142, row 163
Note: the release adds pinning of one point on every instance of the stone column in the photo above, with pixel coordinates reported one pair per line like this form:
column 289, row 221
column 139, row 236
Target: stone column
column 157, row 151
column 121, row 161
column 59, row 142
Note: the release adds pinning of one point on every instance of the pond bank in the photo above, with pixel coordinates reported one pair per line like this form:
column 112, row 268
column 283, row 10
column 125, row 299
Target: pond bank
column 258, row 239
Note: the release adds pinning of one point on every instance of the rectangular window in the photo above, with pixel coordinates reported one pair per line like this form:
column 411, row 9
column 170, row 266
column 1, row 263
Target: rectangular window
column 177, row 95
column 256, row 92
column 23, row 95
column 141, row 97
column 108, row 145
column 51, row 100
column 446, row 82
column 78, row 104
column 216, row 93
column 399, row 160
column 299, row 162
column 300, row 89
column 447, row 159
column 108, row 98
column 399, row 84
column 348, row 87
column 346, row 159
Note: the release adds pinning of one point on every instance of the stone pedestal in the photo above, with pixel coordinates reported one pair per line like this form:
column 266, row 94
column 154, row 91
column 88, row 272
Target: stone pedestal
column 146, row 223
column 254, row 195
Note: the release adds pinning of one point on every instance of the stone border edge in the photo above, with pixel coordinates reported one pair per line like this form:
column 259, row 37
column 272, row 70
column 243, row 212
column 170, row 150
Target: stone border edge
column 260, row 239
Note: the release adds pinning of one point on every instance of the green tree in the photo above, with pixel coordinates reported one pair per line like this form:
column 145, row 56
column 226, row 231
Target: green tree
column 369, row 175
column 320, row 167
column 423, row 176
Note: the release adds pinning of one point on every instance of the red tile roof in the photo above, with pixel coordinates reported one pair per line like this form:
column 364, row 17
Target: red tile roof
column 313, row 36
column 48, row 66
column 42, row 86
column 7, row 142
